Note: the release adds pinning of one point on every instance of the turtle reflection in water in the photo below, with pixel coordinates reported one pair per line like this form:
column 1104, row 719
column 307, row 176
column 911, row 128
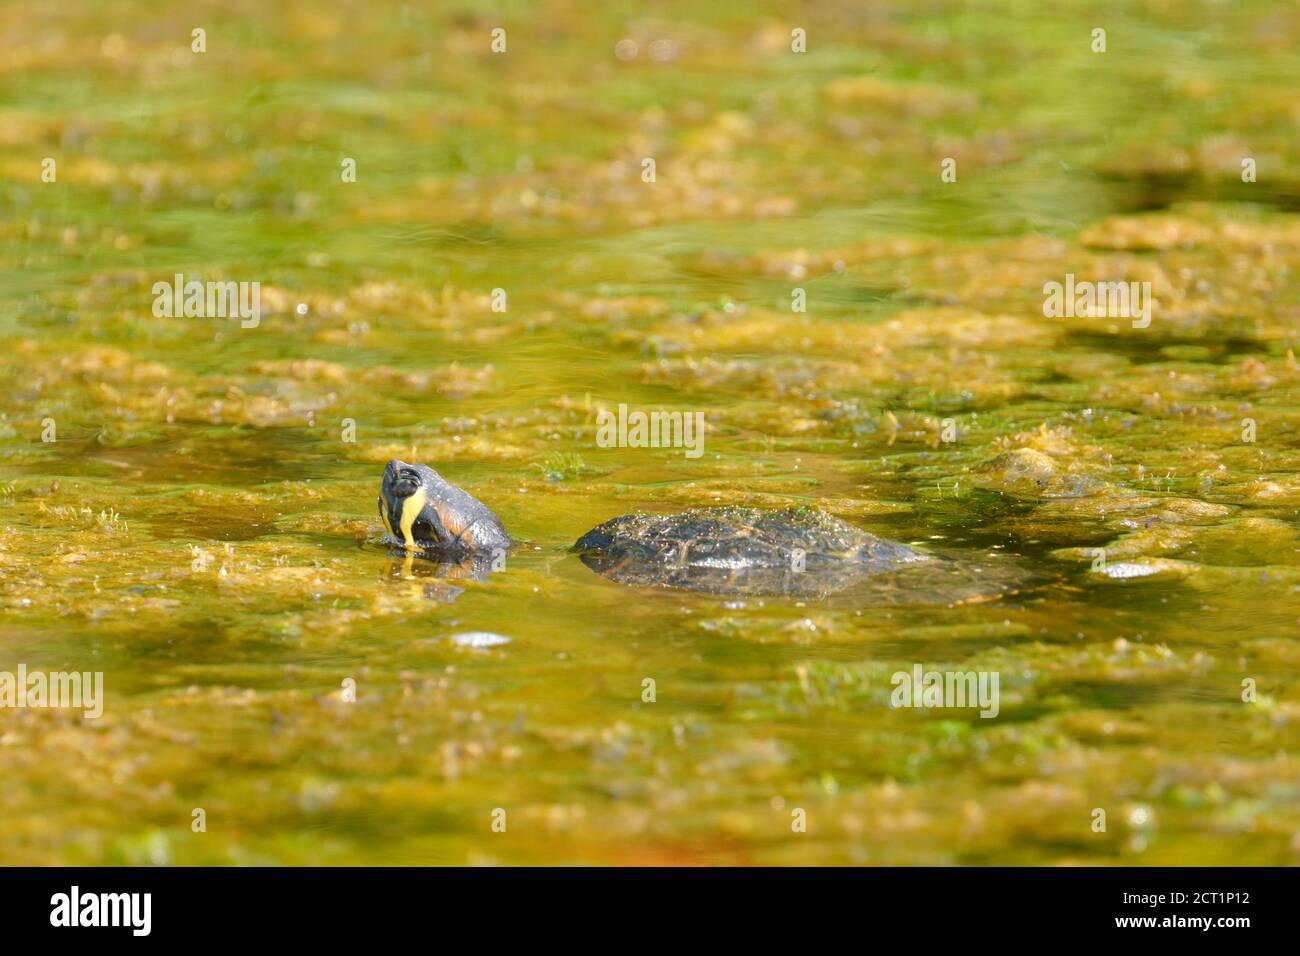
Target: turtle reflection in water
column 796, row 552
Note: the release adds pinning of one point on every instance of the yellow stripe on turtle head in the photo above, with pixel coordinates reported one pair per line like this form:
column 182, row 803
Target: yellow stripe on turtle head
column 383, row 513
column 411, row 509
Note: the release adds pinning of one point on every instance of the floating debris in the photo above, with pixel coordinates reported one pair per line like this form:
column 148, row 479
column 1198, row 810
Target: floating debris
column 479, row 639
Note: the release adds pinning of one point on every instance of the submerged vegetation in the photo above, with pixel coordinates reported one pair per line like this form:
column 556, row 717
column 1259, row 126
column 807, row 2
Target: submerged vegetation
column 562, row 466
column 187, row 503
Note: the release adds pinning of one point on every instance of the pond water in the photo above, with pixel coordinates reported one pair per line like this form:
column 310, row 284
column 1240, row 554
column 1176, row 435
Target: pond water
column 202, row 527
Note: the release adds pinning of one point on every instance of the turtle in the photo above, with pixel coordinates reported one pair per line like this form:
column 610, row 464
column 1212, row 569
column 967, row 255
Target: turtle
column 426, row 513
column 798, row 552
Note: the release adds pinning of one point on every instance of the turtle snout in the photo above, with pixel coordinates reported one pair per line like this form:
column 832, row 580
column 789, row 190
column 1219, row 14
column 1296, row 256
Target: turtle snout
column 400, row 479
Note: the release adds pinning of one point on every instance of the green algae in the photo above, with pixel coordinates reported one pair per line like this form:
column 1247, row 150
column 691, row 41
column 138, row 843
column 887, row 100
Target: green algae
column 203, row 531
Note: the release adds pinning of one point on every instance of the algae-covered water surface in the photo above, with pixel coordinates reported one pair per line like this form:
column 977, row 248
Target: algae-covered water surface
column 856, row 244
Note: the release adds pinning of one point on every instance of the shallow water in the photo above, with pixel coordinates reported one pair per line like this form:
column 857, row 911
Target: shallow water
column 202, row 533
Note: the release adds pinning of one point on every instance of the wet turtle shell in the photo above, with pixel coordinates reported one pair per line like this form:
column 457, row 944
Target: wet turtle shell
column 799, row 552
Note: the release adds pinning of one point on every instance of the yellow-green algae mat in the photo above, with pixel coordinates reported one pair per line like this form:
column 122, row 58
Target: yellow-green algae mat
column 201, row 531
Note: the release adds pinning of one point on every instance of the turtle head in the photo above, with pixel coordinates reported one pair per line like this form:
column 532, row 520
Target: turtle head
column 403, row 495
column 401, row 481
column 422, row 511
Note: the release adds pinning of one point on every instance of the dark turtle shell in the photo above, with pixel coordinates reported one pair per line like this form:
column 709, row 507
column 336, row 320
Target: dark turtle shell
column 799, row 552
